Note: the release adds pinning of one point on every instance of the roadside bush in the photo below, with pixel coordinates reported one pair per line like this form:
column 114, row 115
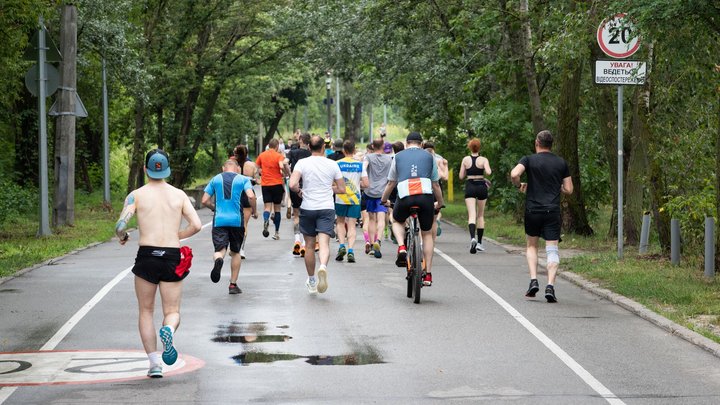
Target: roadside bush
column 690, row 210
column 16, row 200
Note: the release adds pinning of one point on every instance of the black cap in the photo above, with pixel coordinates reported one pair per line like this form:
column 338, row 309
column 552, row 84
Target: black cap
column 414, row 136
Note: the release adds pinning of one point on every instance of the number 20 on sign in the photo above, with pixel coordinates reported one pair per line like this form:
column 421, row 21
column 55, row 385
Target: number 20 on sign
column 618, row 36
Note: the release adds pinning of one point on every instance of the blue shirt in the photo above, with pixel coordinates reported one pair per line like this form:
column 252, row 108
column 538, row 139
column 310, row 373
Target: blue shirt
column 227, row 187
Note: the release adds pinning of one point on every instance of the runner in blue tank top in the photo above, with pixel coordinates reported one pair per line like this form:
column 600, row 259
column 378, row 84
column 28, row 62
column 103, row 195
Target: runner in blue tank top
column 228, row 228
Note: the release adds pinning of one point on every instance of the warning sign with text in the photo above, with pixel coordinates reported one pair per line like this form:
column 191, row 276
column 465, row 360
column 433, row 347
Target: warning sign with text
column 620, row 72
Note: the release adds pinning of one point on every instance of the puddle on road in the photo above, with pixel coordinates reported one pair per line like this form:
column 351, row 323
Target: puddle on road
column 9, row 290
column 252, row 332
column 363, row 355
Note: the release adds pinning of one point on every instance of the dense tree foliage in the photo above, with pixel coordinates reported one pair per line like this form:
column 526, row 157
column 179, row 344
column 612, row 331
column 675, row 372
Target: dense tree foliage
column 199, row 77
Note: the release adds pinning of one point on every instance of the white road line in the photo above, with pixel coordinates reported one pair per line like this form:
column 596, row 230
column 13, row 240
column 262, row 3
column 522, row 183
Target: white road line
column 544, row 339
column 5, row 392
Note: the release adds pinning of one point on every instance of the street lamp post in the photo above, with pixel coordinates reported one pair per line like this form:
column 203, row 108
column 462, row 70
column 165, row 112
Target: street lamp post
column 328, row 84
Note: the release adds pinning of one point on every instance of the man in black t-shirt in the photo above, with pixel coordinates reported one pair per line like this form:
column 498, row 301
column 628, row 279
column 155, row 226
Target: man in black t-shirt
column 547, row 176
column 293, row 156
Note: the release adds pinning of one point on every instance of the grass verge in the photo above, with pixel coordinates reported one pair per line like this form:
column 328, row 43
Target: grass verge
column 21, row 248
column 679, row 293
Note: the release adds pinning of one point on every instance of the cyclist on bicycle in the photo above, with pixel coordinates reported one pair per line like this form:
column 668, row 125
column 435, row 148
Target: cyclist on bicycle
column 415, row 173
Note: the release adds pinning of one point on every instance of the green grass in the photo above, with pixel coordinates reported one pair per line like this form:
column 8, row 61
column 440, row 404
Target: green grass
column 679, row 293
column 21, row 248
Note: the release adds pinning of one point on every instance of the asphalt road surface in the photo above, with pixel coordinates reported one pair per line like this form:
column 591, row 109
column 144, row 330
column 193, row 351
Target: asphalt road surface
column 68, row 334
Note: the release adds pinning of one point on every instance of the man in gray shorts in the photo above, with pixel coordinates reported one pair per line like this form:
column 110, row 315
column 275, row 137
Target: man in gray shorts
column 160, row 260
column 321, row 177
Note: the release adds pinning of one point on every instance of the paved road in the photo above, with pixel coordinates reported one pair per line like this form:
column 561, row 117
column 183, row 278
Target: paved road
column 473, row 338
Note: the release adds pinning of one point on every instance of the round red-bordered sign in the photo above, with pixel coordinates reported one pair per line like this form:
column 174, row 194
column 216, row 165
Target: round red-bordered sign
column 617, row 37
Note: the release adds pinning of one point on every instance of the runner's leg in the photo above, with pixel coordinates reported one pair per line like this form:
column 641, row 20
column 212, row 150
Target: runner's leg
column 532, row 254
column 145, row 292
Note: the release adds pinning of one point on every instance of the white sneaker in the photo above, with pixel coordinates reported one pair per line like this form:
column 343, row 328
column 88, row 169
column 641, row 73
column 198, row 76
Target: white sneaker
column 311, row 286
column 322, row 280
column 473, row 246
column 242, row 254
column 481, row 248
column 155, row 372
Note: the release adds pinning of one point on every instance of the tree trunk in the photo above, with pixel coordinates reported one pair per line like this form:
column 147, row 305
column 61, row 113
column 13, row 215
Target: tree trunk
column 574, row 216
column 637, row 169
column 64, row 201
column 346, row 114
column 717, row 180
column 538, row 120
column 357, row 119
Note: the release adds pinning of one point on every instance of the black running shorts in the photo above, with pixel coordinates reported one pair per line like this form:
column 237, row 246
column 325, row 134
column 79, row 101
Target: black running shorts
column 156, row 264
column 476, row 189
column 224, row 236
column 426, row 212
column 295, row 199
column 273, row 194
column 543, row 223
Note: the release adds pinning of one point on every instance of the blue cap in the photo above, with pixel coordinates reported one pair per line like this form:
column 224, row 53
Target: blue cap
column 157, row 164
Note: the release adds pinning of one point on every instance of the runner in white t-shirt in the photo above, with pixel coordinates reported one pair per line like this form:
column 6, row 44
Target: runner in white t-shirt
column 321, row 177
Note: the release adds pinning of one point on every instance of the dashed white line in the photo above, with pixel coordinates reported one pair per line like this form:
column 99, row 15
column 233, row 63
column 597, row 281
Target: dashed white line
column 588, row 378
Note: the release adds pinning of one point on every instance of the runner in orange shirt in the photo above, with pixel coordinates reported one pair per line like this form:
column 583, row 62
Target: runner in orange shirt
column 272, row 167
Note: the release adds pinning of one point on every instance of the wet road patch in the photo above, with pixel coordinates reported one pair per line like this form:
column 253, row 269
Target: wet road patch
column 363, row 355
column 251, row 332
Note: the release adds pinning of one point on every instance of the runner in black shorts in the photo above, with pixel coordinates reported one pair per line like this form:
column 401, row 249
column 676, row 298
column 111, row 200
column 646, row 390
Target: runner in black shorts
column 474, row 168
column 274, row 193
column 228, row 236
column 548, row 175
column 156, row 264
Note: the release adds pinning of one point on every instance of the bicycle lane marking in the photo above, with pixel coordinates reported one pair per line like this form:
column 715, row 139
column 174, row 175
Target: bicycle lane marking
column 543, row 338
column 6, row 392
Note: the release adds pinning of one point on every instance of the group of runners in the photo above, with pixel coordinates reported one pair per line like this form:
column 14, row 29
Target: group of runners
column 327, row 196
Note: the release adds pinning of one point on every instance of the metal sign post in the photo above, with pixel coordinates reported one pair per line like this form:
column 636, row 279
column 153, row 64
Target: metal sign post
column 44, row 228
column 106, row 138
column 617, row 37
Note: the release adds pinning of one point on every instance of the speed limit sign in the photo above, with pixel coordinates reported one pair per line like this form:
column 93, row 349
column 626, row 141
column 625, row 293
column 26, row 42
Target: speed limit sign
column 618, row 36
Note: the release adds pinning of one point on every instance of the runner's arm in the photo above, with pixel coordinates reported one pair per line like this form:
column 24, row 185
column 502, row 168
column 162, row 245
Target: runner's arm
column 253, row 201
column 295, row 180
column 208, row 202
column 515, row 174
column 122, row 222
column 461, row 172
column 486, row 164
column 388, row 190
column 567, row 186
column 339, row 186
column 194, row 225
column 437, row 191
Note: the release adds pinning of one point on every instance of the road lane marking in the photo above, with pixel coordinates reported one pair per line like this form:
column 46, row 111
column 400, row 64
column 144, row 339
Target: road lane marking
column 6, row 392
column 544, row 339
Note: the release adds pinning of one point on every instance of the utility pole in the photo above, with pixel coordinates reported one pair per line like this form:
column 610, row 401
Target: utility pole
column 106, row 140
column 337, row 107
column 44, row 229
column 328, row 84
column 64, row 204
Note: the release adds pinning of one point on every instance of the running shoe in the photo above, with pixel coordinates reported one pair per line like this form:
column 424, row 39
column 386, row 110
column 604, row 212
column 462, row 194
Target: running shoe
column 480, row 247
column 392, row 238
column 427, row 280
column 302, row 251
column 340, row 254
column 351, row 257
column 234, row 289
column 276, row 236
column 155, row 372
column 550, row 294
column 266, row 233
column 439, row 230
column 311, row 286
column 215, row 273
column 376, row 249
column 242, row 254
column 368, row 248
column 401, row 260
column 533, row 288
column 169, row 355
column 288, row 214
column 296, row 249
column 473, row 246
column 322, row 280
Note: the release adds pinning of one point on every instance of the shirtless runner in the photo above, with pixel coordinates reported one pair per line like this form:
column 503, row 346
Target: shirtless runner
column 160, row 208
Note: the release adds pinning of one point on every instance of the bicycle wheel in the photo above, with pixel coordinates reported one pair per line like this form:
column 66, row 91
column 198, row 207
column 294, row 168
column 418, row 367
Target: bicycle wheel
column 410, row 249
column 417, row 265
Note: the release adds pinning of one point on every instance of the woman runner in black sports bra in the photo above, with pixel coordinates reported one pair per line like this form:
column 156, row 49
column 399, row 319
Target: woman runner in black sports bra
column 475, row 168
